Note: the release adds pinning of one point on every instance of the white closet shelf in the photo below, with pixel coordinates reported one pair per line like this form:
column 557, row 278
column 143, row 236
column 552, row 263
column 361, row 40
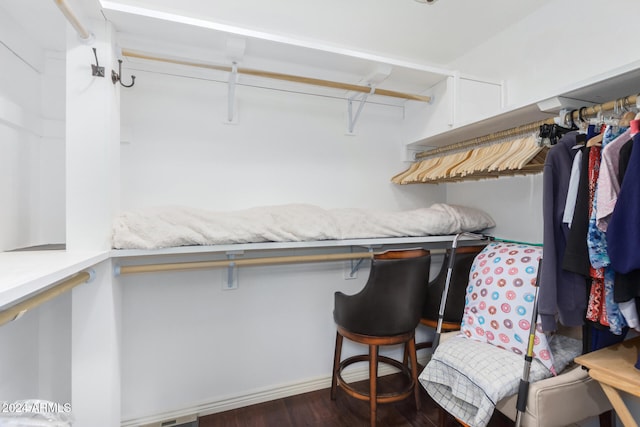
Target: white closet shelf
column 24, row 274
column 505, row 119
column 617, row 83
column 386, row 242
column 271, row 253
column 171, row 35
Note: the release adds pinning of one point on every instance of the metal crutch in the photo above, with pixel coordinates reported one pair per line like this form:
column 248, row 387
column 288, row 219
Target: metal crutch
column 523, row 388
column 445, row 292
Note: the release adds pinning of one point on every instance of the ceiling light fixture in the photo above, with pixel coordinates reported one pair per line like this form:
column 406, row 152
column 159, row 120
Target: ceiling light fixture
column 426, row 1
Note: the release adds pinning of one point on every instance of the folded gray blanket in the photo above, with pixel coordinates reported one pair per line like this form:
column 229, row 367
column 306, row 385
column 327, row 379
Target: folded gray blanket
column 163, row 227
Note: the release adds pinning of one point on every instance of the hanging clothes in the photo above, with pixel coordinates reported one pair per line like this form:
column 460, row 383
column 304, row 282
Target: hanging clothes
column 627, row 285
column 623, row 233
column 561, row 292
column 609, row 181
column 596, row 309
column 576, row 256
column 574, row 184
column 602, row 290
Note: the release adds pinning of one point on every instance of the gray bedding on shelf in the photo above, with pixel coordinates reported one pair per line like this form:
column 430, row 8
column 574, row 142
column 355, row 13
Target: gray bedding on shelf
column 173, row 226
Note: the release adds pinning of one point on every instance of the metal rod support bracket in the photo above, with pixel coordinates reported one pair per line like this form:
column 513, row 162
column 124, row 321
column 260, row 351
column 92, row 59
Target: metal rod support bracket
column 231, row 94
column 355, row 264
column 232, row 272
column 352, row 119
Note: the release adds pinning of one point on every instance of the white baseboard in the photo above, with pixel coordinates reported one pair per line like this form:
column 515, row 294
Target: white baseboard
column 260, row 396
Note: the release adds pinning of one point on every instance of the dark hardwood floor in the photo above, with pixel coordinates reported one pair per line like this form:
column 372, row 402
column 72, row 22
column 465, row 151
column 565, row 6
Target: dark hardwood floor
column 317, row 409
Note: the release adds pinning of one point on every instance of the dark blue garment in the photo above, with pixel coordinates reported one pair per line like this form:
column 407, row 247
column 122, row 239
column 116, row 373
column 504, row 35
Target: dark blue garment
column 601, row 338
column 623, row 233
column 561, row 292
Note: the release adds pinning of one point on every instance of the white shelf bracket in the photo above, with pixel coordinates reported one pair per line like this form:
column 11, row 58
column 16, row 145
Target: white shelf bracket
column 231, row 94
column 352, row 119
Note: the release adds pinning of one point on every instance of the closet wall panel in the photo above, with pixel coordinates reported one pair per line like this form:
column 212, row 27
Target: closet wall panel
column 562, row 45
column 286, row 148
column 515, row 203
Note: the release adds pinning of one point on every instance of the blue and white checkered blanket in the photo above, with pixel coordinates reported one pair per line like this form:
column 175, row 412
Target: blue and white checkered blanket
column 467, row 377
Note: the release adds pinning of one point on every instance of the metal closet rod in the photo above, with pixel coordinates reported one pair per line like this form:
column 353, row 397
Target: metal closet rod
column 151, row 268
column 279, row 76
column 587, row 112
column 15, row 311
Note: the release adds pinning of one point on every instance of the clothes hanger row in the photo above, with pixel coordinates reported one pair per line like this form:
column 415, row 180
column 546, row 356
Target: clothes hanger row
column 481, row 161
column 509, row 155
column 620, row 117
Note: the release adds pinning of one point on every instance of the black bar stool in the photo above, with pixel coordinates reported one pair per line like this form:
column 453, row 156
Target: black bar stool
column 385, row 312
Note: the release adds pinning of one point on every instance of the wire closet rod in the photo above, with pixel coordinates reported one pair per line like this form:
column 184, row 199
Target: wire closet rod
column 15, row 311
column 587, row 112
column 84, row 34
column 150, row 268
column 279, row 76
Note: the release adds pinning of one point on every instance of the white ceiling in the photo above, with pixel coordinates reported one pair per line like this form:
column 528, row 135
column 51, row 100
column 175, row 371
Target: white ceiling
column 436, row 33
column 337, row 39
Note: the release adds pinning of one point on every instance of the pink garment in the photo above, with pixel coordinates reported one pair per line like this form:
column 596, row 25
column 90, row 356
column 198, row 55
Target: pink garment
column 608, row 186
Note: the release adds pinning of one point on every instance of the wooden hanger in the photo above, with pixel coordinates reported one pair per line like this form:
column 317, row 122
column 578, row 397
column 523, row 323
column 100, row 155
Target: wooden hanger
column 626, row 118
column 411, row 178
column 397, row 179
column 514, row 160
column 595, row 141
column 424, row 168
column 461, row 168
column 511, row 150
column 530, row 151
column 452, row 162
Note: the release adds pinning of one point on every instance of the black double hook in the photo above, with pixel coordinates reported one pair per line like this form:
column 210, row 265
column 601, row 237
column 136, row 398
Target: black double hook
column 115, row 77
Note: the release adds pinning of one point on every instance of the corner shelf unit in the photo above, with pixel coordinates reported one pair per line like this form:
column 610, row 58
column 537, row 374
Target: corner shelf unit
column 616, row 84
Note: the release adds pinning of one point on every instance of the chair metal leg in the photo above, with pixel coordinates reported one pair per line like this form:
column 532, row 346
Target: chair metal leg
column 414, row 370
column 373, row 383
column 336, row 365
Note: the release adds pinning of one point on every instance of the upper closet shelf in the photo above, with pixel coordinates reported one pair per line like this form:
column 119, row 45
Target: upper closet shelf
column 158, row 41
column 506, row 144
column 615, row 84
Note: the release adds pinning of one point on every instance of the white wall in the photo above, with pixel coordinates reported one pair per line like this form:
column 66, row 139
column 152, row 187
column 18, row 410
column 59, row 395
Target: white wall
column 35, row 358
column 31, row 145
column 19, row 359
column 515, row 203
column 286, row 148
column 556, row 47
column 49, row 193
column 185, row 341
column 19, row 134
column 35, row 362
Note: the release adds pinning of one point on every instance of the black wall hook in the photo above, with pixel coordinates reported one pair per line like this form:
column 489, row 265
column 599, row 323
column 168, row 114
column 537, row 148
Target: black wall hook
column 116, row 77
column 96, row 69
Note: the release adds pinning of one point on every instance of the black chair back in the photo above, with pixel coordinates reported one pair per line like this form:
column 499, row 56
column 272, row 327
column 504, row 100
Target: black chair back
column 391, row 301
